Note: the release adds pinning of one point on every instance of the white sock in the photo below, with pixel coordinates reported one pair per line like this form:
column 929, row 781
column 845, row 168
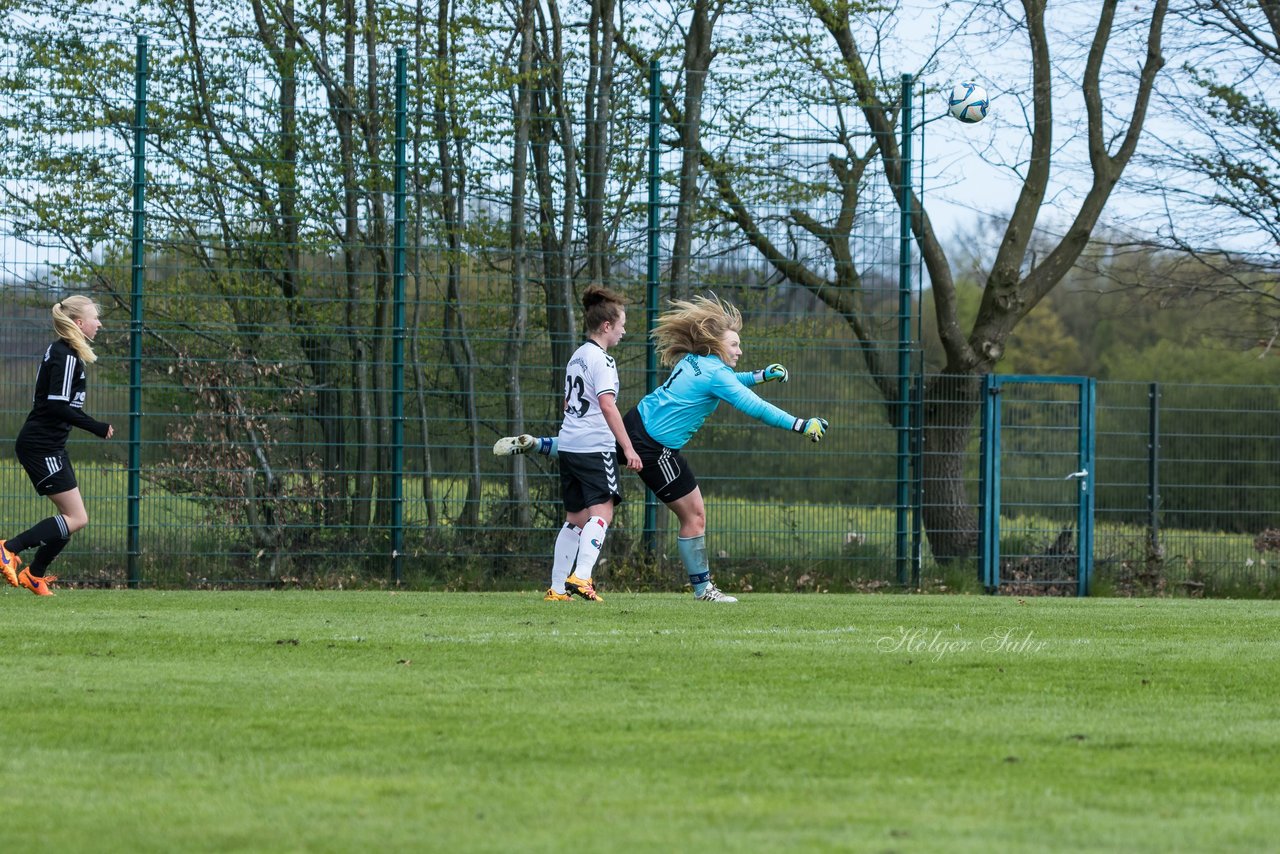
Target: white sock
column 565, row 551
column 589, row 547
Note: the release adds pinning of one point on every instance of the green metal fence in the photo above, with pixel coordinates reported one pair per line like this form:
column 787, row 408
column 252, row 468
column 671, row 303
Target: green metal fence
column 310, row 345
column 1189, row 498
column 319, row 317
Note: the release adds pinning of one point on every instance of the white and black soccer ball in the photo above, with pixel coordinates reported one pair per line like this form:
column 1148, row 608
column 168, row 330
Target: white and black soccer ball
column 968, row 102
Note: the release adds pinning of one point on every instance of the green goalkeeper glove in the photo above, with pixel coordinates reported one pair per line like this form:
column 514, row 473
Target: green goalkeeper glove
column 772, row 372
column 813, row 428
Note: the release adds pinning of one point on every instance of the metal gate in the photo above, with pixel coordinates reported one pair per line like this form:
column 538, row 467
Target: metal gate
column 1037, row 484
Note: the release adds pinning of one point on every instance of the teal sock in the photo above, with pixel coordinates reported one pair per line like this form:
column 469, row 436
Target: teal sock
column 693, row 554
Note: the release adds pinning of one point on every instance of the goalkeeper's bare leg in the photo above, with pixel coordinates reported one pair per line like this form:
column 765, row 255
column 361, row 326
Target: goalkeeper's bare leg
column 691, row 543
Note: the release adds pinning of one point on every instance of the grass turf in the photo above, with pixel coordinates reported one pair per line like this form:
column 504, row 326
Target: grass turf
column 342, row 721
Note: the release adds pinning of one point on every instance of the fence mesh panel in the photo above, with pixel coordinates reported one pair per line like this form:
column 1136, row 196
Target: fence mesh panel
column 268, row 373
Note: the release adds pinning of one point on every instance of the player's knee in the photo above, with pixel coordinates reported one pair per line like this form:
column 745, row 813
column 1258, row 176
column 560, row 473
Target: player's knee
column 76, row 522
column 693, row 521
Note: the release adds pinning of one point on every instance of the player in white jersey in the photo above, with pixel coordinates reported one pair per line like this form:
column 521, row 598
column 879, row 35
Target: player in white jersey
column 699, row 340
column 590, row 437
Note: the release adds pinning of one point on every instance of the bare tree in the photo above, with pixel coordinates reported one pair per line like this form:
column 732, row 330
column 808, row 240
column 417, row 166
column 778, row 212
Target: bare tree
column 1013, row 286
column 356, row 109
column 599, row 109
column 518, row 483
column 419, row 178
column 230, row 196
column 551, row 130
column 453, row 198
column 698, row 55
column 286, row 240
column 1219, row 177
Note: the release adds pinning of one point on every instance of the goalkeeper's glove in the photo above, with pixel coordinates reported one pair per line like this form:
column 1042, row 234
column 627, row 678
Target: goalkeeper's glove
column 772, row 372
column 813, row 428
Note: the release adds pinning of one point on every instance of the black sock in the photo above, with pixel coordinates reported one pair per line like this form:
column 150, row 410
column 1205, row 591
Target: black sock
column 44, row 531
column 45, row 555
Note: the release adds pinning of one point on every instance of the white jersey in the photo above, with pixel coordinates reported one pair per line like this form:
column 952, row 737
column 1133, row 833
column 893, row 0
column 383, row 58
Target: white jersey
column 590, row 373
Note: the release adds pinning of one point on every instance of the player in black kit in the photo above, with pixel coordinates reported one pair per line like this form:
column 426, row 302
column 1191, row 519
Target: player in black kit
column 42, row 443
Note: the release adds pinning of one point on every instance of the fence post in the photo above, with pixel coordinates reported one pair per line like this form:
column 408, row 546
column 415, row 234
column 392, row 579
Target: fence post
column 652, row 275
column 1153, row 465
column 903, row 509
column 917, row 476
column 1089, row 463
column 397, row 341
column 989, row 486
column 138, row 251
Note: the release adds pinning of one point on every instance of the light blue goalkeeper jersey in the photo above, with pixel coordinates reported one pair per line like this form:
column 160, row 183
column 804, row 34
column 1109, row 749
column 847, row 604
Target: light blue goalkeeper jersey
column 674, row 411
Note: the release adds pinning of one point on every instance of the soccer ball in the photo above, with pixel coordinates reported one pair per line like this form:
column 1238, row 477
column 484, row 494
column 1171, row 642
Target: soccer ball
column 967, row 102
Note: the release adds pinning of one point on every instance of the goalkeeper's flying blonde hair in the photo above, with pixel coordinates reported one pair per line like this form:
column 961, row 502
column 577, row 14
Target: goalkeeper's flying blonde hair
column 695, row 326
column 65, row 315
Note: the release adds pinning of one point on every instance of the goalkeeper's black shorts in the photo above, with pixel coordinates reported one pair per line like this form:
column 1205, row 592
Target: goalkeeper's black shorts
column 666, row 472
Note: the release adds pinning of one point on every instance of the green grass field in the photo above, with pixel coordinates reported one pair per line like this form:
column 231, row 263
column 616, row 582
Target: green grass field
column 366, row 721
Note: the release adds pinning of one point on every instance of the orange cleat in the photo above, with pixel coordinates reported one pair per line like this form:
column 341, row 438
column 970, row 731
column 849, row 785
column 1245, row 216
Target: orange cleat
column 553, row 596
column 582, row 587
column 9, row 563
column 36, row 584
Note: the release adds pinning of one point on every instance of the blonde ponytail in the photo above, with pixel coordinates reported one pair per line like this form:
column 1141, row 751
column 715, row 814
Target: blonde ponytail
column 65, row 315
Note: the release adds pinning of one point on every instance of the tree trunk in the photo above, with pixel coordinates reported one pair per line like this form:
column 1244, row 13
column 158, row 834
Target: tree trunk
column 415, row 267
column 553, row 125
column 378, row 241
column 518, row 484
column 599, row 107
column 557, row 280
column 316, row 349
column 343, row 111
column 453, row 205
column 697, row 62
column 952, row 403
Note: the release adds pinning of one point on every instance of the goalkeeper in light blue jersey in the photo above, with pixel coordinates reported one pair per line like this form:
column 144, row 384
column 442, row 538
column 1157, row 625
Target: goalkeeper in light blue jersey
column 699, row 340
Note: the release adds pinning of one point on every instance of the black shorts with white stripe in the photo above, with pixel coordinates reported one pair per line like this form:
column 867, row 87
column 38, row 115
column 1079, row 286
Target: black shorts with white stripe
column 589, row 479
column 666, row 472
column 50, row 471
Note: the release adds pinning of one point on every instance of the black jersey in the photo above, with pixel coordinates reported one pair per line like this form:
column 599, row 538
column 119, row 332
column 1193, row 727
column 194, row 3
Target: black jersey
column 58, row 404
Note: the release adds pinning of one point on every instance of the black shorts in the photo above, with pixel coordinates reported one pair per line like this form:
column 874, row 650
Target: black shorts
column 589, row 479
column 666, row 472
column 50, row 471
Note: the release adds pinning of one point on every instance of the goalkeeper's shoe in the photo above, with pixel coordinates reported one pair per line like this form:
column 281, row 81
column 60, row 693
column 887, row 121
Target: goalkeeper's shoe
column 9, row 563
column 715, row 594
column 574, row 584
column 36, row 584
column 553, row 596
column 509, row 446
